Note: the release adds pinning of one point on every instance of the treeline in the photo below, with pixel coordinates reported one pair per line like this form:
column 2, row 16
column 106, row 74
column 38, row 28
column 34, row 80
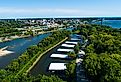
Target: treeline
column 29, row 78
column 70, row 72
column 8, row 28
column 14, row 69
column 103, row 55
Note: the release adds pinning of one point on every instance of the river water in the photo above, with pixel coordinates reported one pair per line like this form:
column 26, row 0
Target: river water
column 112, row 23
column 19, row 46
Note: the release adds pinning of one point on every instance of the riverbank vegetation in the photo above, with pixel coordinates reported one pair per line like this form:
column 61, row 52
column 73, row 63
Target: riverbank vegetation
column 29, row 78
column 9, row 28
column 71, row 66
column 14, row 69
column 71, row 71
column 102, row 62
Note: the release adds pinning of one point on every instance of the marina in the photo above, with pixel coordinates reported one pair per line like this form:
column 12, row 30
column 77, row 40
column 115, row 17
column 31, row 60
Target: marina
column 48, row 61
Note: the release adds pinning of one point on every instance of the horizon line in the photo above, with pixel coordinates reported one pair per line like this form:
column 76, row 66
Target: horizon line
column 62, row 17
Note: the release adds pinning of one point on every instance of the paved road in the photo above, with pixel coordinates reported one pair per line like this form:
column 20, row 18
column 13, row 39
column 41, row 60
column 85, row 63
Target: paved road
column 80, row 72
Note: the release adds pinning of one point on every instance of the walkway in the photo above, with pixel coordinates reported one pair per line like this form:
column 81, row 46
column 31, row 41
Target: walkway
column 80, row 72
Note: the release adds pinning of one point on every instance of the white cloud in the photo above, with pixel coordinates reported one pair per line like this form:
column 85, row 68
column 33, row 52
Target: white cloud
column 53, row 12
column 38, row 10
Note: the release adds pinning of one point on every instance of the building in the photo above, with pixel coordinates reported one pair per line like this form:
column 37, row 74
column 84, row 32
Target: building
column 63, row 56
column 65, row 50
column 69, row 42
column 68, row 45
column 57, row 67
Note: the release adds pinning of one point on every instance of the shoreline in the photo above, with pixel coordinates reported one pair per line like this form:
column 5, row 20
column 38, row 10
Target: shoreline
column 4, row 52
column 19, row 37
column 12, row 38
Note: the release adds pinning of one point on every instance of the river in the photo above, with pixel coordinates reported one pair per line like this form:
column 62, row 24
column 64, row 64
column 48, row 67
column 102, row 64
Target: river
column 112, row 23
column 19, row 46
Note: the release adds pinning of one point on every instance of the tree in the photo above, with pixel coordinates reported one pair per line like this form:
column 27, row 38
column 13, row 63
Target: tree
column 110, row 70
column 76, row 49
column 90, row 48
column 3, row 74
column 71, row 70
column 71, row 55
column 52, row 78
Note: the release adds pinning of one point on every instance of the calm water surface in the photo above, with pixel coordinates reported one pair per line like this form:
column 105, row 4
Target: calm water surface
column 19, row 46
column 112, row 23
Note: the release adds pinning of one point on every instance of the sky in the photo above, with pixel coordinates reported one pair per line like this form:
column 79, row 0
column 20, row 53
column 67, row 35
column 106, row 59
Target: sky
column 59, row 8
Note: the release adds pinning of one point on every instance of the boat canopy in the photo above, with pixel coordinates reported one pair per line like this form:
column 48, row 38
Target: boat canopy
column 57, row 66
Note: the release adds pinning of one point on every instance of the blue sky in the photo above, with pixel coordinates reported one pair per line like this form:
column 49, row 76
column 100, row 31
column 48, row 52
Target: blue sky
column 59, row 8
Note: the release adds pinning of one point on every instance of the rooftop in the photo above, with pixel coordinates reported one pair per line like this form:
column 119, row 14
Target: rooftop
column 57, row 66
column 68, row 45
column 65, row 50
column 69, row 42
column 75, row 39
column 59, row 55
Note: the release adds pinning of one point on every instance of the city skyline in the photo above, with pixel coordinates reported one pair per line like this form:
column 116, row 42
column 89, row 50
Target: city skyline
column 59, row 8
